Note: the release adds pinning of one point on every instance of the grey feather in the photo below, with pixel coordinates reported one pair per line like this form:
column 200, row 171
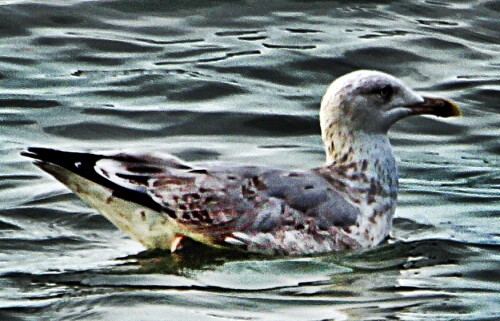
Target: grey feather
column 347, row 203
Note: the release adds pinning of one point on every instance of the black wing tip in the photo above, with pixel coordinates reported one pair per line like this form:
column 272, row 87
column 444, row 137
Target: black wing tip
column 66, row 159
column 38, row 153
column 57, row 156
column 82, row 164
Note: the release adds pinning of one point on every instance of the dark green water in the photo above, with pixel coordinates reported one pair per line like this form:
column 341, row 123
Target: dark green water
column 241, row 81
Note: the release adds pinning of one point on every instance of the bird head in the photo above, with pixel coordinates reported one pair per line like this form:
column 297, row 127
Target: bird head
column 372, row 101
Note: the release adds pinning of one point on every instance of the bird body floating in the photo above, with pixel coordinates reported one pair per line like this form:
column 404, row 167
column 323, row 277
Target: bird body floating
column 347, row 203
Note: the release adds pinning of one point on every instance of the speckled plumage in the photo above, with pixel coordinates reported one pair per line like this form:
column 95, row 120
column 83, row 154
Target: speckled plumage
column 348, row 203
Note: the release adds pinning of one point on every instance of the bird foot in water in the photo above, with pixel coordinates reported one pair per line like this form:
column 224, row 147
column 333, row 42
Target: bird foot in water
column 177, row 243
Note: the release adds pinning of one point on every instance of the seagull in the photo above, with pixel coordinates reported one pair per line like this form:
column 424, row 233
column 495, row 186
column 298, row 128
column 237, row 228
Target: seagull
column 345, row 204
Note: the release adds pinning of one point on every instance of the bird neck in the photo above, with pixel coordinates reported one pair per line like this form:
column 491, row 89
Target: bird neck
column 362, row 168
column 364, row 163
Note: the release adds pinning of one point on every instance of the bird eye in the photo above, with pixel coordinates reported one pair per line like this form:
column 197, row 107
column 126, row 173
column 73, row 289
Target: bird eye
column 385, row 92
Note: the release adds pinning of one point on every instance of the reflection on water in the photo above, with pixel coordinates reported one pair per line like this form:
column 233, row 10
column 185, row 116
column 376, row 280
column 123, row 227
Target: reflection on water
column 242, row 82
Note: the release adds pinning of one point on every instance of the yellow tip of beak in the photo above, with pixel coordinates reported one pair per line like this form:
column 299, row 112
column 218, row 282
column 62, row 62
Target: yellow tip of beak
column 438, row 107
column 455, row 110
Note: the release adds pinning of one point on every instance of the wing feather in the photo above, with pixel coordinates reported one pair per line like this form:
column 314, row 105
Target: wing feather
column 227, row 204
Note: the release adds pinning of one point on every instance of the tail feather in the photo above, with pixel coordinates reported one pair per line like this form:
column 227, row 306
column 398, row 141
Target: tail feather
column 84, row 165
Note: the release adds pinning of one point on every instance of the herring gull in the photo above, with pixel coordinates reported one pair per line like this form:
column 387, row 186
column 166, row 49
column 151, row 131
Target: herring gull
column 346, row 203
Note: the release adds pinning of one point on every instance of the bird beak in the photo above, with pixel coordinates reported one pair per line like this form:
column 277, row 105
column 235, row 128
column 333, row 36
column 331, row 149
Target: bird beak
column 437, row 107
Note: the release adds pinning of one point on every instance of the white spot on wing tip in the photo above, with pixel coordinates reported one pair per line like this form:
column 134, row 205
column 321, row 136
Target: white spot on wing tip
column 233, row 241
column 241, row 236
column 238, row 238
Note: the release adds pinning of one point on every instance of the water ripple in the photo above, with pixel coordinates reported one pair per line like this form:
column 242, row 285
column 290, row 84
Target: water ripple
column 244, row 83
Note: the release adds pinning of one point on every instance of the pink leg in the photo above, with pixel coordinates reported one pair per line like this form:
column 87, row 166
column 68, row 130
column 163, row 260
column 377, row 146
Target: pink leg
column 176, row 243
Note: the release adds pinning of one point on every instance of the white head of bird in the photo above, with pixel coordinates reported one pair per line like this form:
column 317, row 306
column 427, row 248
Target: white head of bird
column 359, row 108
column 356, row 113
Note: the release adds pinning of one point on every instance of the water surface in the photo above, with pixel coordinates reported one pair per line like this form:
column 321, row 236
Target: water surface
column 241, row 81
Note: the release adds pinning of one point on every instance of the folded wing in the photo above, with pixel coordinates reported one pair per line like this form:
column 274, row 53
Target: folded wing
column 256, row 208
